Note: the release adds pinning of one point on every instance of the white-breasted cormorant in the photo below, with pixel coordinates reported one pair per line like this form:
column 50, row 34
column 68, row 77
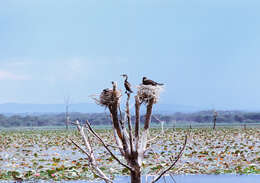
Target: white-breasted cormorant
column 150, row 82
column 127, row 84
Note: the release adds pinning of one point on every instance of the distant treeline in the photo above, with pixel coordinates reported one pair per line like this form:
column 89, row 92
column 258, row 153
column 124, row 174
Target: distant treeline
column 104, row 119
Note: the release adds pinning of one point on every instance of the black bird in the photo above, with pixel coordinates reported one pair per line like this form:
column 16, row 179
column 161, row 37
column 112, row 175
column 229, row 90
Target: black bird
column 150, row 82
column 127, row 84
column 106, row 90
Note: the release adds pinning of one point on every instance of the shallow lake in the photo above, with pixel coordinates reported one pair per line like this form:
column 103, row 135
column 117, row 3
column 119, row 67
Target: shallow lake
column 192, row 179
column 172, row 179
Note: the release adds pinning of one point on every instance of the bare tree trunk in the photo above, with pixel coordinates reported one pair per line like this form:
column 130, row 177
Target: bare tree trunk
column 214, row 125
column 136, row 176
column 136, row 169
column 114, row 114
column 67, row 117
column 137, row 116
column 215, row 120
column 148, row 114
column 129, row 123
column 162, row 124
column 174, row 125
column 162, row 129
column 137, row 123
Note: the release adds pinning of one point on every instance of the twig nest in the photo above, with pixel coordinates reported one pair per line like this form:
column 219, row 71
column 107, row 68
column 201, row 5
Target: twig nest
column 147, row 92
column 107, row 97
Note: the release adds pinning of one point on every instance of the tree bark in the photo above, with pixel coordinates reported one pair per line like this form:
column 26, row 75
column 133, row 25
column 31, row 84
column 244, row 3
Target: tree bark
column 67, row 117
column 116, row 125
column 214, row 122
column 129, row 123
column 137, row 117
column 136, row 176
column 148, row 114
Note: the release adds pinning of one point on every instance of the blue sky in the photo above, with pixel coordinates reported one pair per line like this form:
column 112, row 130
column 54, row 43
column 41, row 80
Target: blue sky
column 206, row 52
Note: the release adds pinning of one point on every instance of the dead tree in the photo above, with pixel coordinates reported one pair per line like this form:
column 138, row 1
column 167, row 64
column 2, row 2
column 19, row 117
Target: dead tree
column 245, row 126
column 131, row 141
column 161, row 122
column 174, row 124
column 67, row 117
column 215, row 119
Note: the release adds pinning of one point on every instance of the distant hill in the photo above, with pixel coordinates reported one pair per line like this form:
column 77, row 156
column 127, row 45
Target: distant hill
column 12, row 108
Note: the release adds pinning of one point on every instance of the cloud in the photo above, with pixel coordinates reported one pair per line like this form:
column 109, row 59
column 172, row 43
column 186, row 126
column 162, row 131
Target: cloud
column 6, row 75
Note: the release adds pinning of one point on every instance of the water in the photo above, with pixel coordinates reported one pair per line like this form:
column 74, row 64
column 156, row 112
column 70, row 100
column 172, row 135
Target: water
column 173, row 179
column 192, row 179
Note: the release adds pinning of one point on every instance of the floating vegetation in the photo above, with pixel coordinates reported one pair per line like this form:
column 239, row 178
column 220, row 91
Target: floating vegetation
column 40, row 154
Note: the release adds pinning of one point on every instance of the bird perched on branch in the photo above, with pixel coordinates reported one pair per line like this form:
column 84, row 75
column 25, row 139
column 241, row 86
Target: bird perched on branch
column 150, row 82
column 114, row 85
column 106, row 90
column 127, row 84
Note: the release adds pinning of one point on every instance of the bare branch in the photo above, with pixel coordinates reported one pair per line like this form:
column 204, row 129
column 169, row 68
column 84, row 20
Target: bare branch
column 90, row 154
column 152, row 139
column 118, row 142
column 106, row 146
column 137, row 121
column 113, row 106
column 129, row 123
column 78, row 146
column 162, row 122
column 67, row 105
column 125, row 135
column 146, row 125
column 172, row 165
column 116, row 124
column 143, row 140
column 122, row 121
column 158, row 119
column 94, row 167
column 109, row 145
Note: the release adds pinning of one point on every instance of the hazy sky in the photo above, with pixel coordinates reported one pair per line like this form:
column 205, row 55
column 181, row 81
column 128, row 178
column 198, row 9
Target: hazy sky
column 207, row 52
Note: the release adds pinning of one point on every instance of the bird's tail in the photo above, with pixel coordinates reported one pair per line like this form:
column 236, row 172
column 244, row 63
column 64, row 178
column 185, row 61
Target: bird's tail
column 160, row 84
column 129, row 91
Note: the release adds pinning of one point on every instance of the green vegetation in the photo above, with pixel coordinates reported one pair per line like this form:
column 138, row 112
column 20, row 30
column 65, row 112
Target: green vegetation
column 45, row 154
column 104, row 119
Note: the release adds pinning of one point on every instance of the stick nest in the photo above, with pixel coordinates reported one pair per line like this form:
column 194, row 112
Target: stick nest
column 146, row 93
column 107, row 97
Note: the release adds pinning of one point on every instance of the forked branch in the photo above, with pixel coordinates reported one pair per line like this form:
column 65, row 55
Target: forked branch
column 106, row 146
column 129, row 123
column 90, row 154
column 173, row 164
column 137, row 121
